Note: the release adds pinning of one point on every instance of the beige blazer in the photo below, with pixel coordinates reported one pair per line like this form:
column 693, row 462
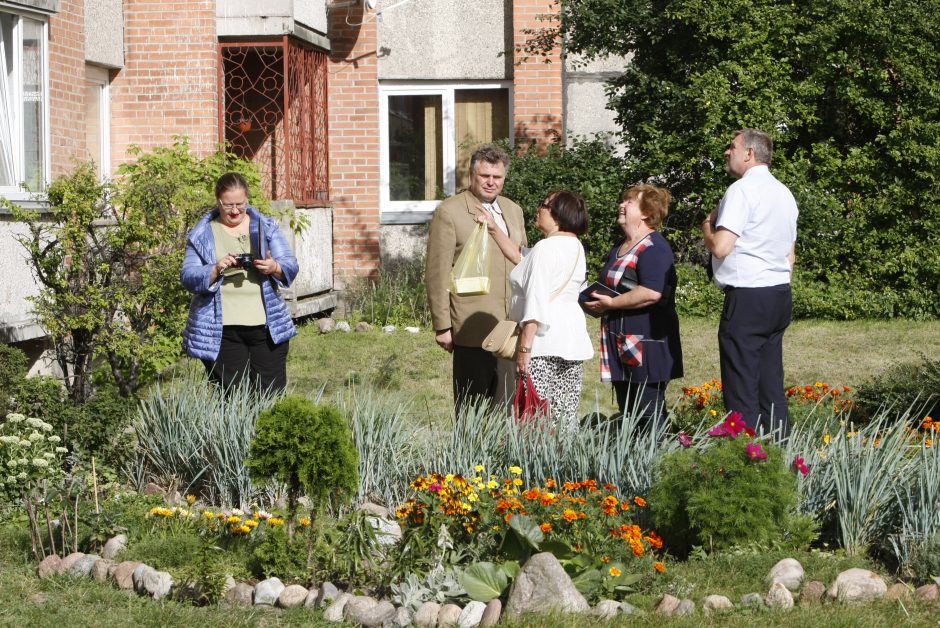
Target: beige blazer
column 470, row 318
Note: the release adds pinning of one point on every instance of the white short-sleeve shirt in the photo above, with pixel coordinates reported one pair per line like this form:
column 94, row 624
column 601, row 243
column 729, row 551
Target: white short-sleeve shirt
column 762, row 212
column 555, row 265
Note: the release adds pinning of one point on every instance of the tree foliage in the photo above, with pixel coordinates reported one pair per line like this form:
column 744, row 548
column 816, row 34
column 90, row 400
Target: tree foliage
column 846, row 88
column 107, row 258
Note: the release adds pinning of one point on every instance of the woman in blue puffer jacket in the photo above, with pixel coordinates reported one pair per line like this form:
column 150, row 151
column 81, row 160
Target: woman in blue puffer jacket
column 236, row 261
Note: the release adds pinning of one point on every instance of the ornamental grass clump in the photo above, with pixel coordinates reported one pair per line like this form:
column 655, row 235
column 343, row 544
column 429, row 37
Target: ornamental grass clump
column 730, row 490
column 309, row 448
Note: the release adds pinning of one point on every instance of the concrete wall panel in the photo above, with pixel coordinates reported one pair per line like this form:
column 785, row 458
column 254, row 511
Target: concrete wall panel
column 444, row 39
column 104, row 33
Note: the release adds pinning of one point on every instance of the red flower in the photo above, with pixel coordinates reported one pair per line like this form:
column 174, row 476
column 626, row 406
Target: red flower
column 685, row 440
column 755, row 452
column 800, row 465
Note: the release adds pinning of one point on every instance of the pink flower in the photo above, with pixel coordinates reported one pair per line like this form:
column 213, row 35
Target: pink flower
column 435, row 487
column 719, row 430
column 732, row 426
column 735, row 424
column 685, row 440
column 755, row 451
column 800, row 465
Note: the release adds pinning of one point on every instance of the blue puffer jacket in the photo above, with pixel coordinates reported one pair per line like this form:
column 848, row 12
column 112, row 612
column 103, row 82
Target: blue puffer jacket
column 203, row 334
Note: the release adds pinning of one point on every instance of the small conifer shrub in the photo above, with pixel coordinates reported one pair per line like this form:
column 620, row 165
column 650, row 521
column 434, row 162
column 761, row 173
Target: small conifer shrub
column 309, row 448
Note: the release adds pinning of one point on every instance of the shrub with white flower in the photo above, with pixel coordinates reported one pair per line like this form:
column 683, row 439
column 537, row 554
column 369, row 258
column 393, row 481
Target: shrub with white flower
column 29, row 454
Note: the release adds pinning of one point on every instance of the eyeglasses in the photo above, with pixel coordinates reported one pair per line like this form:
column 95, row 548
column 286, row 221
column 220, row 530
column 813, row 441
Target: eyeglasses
column 233, row 205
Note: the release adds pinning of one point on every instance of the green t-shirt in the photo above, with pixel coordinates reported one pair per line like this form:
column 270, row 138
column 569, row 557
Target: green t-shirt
column 242, row 303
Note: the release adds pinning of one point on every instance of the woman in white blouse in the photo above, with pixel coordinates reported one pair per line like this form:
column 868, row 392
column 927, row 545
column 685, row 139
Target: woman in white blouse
column 553, row 340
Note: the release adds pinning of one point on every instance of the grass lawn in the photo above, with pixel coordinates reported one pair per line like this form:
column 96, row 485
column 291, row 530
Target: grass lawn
column 412, row 365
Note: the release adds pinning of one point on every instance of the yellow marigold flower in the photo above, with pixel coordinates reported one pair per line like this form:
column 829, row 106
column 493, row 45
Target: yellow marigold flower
column 190, row 499
column 472, row 497
column 208, row 514
column 515, row 470
column 449, row 477
column 479, row 468
column 234, row 519
column 275, row 521
column 244, row 529
column 492, row 484
column 251, row 524
column 660, row 567
column 713, row 412
column 614, row 572
column 517, row 481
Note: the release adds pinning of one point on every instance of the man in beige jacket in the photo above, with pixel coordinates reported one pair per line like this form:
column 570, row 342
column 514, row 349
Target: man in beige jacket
column 462, row 322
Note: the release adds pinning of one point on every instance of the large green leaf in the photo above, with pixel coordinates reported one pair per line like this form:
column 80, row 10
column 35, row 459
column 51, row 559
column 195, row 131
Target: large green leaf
column 484, row 581
column 587, row 582
column 527, row 530
column 511, row 568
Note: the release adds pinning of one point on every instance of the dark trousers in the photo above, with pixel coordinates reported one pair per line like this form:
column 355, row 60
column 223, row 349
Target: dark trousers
column 649, row 400
column 474, row 376
column 248, row 351
column 750, row 343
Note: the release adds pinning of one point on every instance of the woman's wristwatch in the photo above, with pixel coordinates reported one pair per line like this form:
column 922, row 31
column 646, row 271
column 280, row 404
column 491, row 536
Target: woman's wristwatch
column 525, row 349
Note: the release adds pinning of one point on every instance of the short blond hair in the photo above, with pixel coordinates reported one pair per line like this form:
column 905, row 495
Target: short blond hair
column 654, row 202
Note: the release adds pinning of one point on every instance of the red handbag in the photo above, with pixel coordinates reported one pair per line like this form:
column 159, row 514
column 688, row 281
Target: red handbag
column 527, row 406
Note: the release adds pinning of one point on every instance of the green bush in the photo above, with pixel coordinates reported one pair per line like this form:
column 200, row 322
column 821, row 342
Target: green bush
column 13, row 368
column 718, row 497
column 307, row 447
column 696, row 295
column 590, row 168
column 903, row 385
column 842, row 87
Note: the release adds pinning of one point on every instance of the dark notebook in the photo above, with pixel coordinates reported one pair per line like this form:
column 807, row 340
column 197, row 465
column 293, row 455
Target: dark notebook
column 586, row 294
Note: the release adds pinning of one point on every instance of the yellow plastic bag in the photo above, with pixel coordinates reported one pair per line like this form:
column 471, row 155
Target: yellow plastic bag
column 469, row 275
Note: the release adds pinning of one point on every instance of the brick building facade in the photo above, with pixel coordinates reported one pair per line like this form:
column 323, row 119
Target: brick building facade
column 438, row 73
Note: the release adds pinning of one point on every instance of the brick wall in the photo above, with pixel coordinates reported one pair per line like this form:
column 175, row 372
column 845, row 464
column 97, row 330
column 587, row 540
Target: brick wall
column 66, row 80
column 169, row 83
column 538, row 92
column 354, row 142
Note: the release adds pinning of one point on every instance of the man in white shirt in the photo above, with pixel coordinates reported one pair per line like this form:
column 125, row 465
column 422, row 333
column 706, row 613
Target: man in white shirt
column 751, row 237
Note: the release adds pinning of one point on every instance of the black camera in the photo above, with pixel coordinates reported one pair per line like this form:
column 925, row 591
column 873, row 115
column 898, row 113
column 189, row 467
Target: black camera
column 244, row 260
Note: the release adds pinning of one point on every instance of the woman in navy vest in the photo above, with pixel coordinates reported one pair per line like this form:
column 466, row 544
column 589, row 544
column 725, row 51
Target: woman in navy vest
column 237, row 260
column 640, row 349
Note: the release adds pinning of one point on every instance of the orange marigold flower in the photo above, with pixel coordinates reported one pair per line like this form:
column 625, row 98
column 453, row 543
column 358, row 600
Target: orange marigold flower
column 639, row 501
column 508, row 517
column 546, row 527
column 605, row 559
column 610, row 487
column 655, row 541
column 550, row 483
column 531, row 494
column 571, row 486
column 661, row 568
column 569, row 515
